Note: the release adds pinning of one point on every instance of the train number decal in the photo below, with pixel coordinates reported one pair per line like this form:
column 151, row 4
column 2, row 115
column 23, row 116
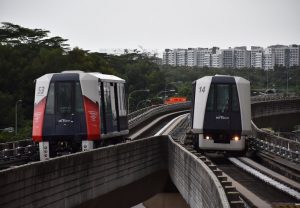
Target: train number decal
column 202, row 89
column 40, row 91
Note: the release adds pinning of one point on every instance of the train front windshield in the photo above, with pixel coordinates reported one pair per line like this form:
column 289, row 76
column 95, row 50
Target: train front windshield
column 64, row 98
column 222, row 98
column 64, row 93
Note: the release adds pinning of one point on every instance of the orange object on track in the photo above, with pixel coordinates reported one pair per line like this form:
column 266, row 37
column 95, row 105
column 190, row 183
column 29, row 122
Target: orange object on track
column 173, row 100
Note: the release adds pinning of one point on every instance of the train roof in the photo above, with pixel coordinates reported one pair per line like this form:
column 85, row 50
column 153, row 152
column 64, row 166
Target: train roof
column 107, row 77
column 102, row 77
column 237, row 78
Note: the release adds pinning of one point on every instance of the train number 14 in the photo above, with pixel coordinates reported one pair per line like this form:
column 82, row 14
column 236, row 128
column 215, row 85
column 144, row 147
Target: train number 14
column 201, row 89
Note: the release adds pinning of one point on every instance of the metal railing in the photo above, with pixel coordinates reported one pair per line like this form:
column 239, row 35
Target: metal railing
column 17, row 149
column 266, row 141
column 140, row 111
column 277, row 97
column 145, row 115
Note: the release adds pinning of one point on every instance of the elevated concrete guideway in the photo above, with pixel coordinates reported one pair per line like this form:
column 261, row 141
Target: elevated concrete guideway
column 75, row 179
column 82, row 178
column 87, row 178
column 265, row 108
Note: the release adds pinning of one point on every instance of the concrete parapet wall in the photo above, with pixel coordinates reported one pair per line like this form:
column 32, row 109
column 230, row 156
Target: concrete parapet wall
column 71, row 180
column 197, row 184
column 81, row 178
column 275, row 107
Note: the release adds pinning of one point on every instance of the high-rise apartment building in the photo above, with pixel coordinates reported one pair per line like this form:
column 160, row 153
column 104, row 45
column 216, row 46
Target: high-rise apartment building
column 169, row 57
column 294, row 55
column 238, row 57
column 241, row 57
column 281, row 55
column 181, row 57
column 215, row 59
column 201, row 56
column 165, row 60
column 268, row 59
column 227, row 58
column 256, row 60
column 191, row 57
column 207, row 60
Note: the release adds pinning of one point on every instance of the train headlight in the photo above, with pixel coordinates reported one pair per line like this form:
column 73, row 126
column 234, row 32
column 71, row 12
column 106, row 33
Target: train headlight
column 236, row 138
column 208, row 137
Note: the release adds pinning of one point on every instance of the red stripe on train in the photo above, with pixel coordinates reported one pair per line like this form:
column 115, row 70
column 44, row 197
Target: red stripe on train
column 38, row 120
column 92, row 119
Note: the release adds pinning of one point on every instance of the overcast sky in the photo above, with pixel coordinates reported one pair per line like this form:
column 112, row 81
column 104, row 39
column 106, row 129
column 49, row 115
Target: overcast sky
column 160, row 24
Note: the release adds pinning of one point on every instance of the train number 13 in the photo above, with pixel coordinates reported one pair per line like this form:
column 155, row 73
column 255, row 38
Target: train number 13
column 201, row 89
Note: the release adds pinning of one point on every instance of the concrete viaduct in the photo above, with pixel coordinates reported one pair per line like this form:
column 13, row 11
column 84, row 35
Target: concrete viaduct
column 136, row 171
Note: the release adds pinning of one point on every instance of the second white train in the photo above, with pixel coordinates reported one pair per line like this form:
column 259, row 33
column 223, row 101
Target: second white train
column 221, row 113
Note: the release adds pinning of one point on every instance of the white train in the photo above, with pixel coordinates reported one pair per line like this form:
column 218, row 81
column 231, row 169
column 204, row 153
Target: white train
column 74, row 110
column 221, row 113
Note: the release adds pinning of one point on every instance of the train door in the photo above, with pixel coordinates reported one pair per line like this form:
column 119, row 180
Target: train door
column 122, row 110
column 109, row 108
column 114, row 107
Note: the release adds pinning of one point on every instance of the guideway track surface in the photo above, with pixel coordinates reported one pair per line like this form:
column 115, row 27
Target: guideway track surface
column 192, row 187
column 255, row 194
column 253, row 190
column 139, row 133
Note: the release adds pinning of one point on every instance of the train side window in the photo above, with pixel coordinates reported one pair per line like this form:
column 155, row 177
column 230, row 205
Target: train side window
column 103, row 108
column 107, row 97
column 78, row 98
column 108, row 108
column 122, row 100
column 235, row 99
column 112, row 100
column 50, row 100
column 119, row 99
column 223, row 97
column 113, row 107
column 211, row 98
column 100, row 106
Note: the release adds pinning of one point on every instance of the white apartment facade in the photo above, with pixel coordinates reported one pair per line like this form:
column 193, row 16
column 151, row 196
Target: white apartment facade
column 215, row 59
column 191, row 57
column 241, row 57
column 268, row 59
column 294, row 55
column 202, row 56
column 256, row 57
column 281, row 53
column 227, row 58
column 181, row 57
column 238, row 57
